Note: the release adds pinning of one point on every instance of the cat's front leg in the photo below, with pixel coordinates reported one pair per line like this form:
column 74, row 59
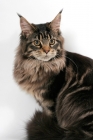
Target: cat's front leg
column 48, row 107
column 47, row 104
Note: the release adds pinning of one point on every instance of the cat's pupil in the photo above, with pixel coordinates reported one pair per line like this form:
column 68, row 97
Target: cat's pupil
column 52, row 41
column 36, row 42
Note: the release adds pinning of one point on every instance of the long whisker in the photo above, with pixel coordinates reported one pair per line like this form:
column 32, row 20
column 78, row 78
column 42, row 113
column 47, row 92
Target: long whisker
column 72, row 62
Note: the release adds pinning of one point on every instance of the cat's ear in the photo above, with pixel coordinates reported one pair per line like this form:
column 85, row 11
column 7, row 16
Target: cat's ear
column 26, row 27
column 55, row 24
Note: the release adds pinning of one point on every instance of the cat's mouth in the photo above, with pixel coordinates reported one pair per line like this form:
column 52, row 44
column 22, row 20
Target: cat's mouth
column 46, row 58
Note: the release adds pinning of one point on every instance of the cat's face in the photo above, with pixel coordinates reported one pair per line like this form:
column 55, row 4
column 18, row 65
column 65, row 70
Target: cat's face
column 42, row 42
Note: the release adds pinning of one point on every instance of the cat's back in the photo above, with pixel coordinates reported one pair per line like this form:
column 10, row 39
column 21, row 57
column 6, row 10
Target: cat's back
column 76, row 98
column 80, row 62
column 82, row 65
column 79, row 59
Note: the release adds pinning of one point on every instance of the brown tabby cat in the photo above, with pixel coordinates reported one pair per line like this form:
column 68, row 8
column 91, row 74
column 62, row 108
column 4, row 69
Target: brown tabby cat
column 61, row 82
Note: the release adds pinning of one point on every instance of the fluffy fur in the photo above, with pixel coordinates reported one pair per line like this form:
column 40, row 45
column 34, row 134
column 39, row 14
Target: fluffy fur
column 60, row 81
column 42, row 127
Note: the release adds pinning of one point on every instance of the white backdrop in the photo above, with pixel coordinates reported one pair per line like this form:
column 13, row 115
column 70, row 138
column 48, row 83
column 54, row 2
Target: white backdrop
column 16, row 107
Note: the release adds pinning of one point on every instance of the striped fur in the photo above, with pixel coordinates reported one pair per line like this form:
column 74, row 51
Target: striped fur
column 61, row 82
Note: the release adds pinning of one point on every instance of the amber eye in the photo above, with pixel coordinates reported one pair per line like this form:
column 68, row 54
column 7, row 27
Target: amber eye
column 52, row 42
column 36, row 42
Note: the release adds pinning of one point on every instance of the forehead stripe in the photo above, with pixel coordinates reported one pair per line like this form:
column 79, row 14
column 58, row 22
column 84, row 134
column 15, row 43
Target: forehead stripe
column 46, row 35
column 42, row 35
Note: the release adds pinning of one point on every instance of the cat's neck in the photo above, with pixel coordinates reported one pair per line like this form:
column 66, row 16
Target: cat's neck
column 53, row 66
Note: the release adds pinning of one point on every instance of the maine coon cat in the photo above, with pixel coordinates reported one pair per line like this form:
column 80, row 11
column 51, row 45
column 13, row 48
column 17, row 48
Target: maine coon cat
column 61, row 82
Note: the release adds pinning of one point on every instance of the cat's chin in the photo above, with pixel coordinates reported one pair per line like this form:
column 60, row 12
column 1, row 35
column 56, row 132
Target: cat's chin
column 45, row 59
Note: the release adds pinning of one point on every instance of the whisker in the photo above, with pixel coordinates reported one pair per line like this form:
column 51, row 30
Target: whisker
column 72, row 62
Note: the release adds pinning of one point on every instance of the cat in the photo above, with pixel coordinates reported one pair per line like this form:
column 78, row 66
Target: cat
column 60, row 81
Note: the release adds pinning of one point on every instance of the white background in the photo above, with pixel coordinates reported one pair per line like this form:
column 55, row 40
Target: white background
column 17, row 107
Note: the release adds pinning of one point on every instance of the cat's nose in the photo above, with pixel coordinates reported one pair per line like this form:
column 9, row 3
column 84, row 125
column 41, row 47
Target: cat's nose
column 46, row 51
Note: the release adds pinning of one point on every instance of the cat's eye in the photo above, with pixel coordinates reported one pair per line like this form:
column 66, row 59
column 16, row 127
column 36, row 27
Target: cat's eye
column 52, row 42
column 37, row 42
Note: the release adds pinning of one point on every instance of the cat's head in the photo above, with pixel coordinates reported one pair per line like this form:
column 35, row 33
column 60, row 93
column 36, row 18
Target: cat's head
column 43, row 41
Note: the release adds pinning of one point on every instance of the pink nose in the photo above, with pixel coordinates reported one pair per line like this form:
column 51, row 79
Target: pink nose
column 46, row 51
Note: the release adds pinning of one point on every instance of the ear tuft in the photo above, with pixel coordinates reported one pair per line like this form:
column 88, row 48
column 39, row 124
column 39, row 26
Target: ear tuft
column 19, row 15
column 61, row 11
column 55, row 24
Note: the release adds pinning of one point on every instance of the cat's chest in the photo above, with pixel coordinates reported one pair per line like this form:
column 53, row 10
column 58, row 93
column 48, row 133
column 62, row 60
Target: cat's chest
column 41, row 92
column 38, row 85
